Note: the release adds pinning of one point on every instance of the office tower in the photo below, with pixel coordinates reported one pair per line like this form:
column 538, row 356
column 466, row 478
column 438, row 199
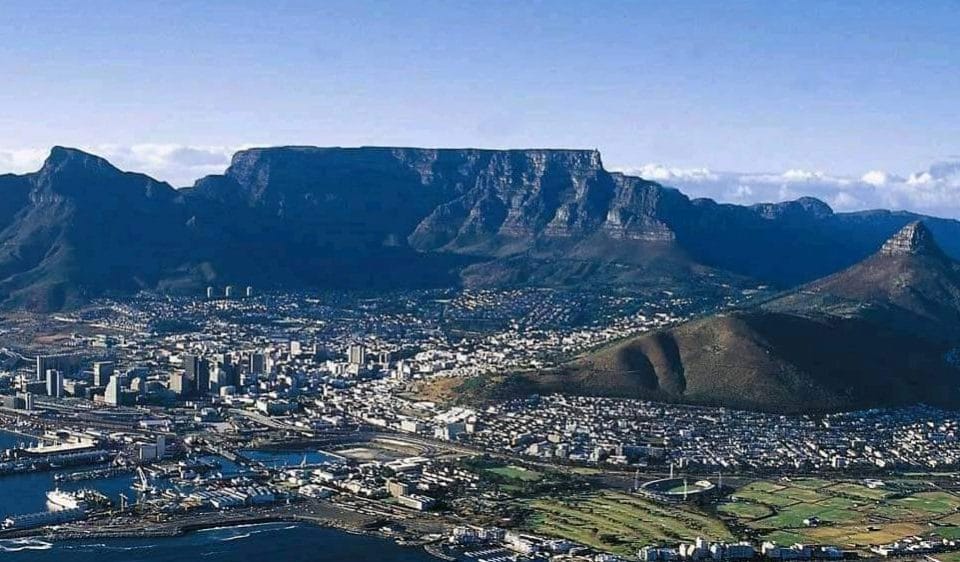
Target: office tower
column 66, row 364
column 179, row 384
column 357, row 354
column 249, row 292
column 229, row 292
column 101, row 372
column 54, row 383
column 258, row 363
column 210, row 292
column 114, row 393
column 197, row 370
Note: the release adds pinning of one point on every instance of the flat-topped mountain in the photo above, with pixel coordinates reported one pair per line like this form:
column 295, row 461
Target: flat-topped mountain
column 374, row 217
column 878, row 333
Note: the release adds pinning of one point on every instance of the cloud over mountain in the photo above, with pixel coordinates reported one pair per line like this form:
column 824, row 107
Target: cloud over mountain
column 935, row 191
column 177, row 164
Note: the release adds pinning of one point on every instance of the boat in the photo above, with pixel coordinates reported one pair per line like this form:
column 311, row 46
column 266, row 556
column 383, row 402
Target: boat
column 59, row 500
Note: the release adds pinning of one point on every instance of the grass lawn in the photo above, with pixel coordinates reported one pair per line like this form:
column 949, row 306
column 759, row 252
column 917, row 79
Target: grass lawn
column 850, row 514
column 859, row 491
column 516, row 473
column 952, row 533
column 744, row 510
column 810, row 483
column 929, row 502
column 619, row 522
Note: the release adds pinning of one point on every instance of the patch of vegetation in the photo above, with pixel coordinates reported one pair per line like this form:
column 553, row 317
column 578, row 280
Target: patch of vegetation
column 619, row 522
column 512, row 472
column 842, row 513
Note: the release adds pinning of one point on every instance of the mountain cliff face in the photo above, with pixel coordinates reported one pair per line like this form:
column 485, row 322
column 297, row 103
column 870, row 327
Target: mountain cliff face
column 875, row 334
column 404, row 217
column 79, row 226
column 462, row 200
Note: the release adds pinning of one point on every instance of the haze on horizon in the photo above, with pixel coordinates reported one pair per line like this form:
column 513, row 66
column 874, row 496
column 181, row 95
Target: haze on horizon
column 743, row 102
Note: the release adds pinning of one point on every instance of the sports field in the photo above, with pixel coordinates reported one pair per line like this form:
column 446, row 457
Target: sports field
column 619, row 522
column 847, row 514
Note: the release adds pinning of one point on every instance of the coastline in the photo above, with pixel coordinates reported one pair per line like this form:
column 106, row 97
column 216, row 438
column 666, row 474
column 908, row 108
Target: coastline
column 175, row 529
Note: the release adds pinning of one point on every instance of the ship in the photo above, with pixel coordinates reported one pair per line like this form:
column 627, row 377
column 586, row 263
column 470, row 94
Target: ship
column 59, row 500
column 42, row 518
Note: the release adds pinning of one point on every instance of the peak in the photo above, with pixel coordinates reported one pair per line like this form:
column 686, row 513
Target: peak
column 62, row 158
column 912, row 240
column 804, row 207
column 815, row 206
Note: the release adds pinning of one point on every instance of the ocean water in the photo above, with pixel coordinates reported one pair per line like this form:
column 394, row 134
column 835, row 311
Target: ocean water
column 273, row 541
column 9, row 440
column 26, row 492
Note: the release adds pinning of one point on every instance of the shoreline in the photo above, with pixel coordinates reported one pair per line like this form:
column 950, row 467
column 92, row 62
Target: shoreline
column 175, row 530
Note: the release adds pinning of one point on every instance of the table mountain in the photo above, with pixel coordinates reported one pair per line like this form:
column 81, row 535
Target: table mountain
column 374, row 218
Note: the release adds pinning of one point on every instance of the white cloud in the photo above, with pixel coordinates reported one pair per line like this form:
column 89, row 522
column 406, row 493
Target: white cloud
column 875, row 178
column 662, row 173
column 21, row 160
column 935, row 191
column 180, row 165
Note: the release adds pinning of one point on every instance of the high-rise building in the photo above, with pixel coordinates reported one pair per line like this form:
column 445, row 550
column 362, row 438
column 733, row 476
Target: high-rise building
column 179, row 384
column 210, row 292
column 197, row 370
column 67, row 364
column 114, row 392
column 54, row 383
column 101, row 372
column 295, row 347
column 258, row 363
column 229, row 292
column 357, row 354
column 249, row 292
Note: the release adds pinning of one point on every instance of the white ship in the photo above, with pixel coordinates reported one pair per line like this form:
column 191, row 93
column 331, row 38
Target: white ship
column 59, row 499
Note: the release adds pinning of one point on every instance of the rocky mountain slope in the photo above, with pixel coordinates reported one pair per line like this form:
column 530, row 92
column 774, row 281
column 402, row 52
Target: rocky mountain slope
column 878, row 333
column 79, row 227
column 372, row 218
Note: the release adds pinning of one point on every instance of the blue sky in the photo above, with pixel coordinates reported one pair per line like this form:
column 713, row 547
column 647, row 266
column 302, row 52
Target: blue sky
column 840, row 89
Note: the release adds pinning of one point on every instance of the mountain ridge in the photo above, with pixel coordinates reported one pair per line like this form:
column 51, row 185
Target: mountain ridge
column 874, row 334
column 378, row 217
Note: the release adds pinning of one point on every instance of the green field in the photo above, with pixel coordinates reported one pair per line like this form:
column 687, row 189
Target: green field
column 937, row 503
column 516, row 473
column 850, row 514
column 619, row 522
column 744, row 510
